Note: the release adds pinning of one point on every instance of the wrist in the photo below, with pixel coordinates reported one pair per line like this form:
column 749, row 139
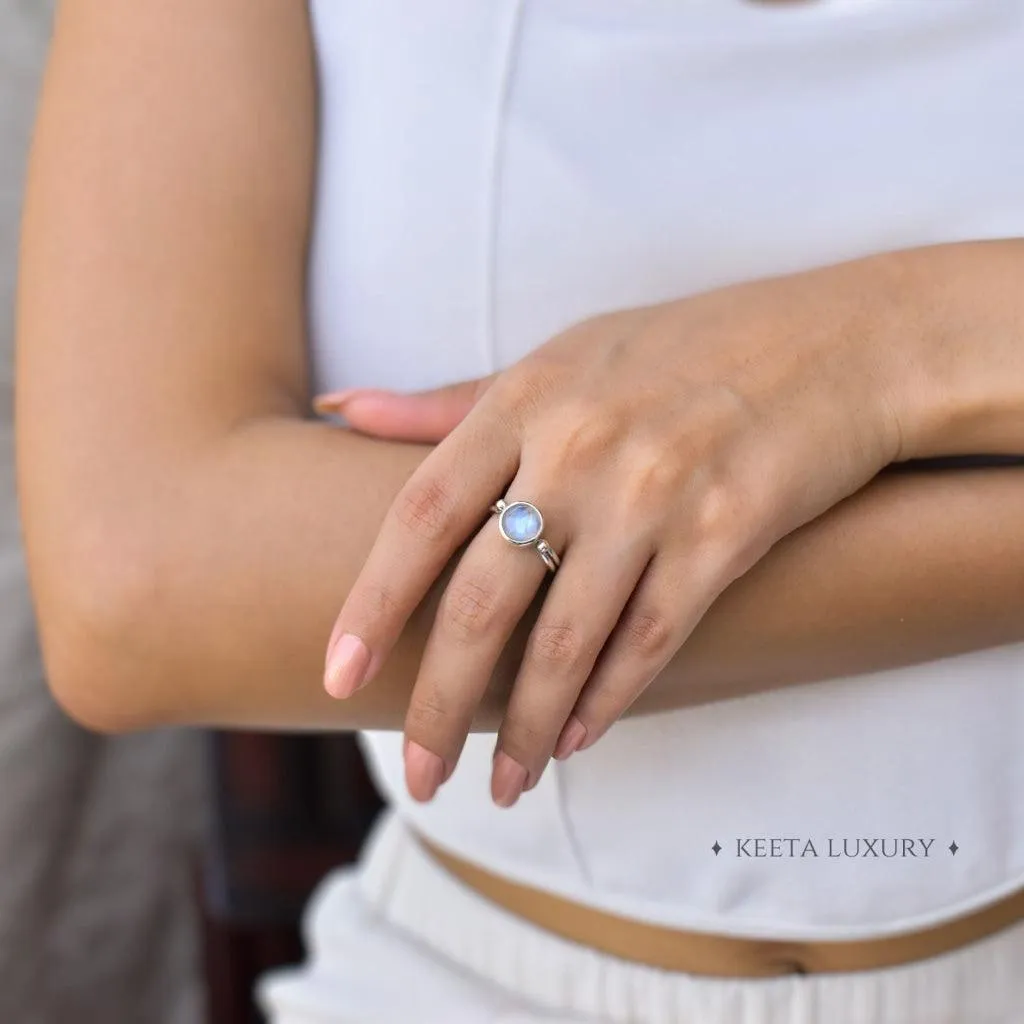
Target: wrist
column 955, row 337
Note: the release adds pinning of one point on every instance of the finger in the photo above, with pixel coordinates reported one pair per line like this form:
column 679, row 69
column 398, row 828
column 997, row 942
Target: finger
column 329, row 403
column 664, row 608
column 426, row 416
column 490, row 590
column 581, row 608
column 442, row 503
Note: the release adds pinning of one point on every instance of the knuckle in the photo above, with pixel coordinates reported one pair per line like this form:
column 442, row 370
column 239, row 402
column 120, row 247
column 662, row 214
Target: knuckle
column 470, row 606
column 380, row 602
column 429, row 713
column 732, row 527
column 424, row 508
column 648, row 634
column 654, row 478
column 723, row 511
column 587, row 436
column 556, row 646
column 523, row 390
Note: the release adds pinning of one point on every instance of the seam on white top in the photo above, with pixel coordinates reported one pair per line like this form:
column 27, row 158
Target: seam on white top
column 575, row 846
column 492, row 214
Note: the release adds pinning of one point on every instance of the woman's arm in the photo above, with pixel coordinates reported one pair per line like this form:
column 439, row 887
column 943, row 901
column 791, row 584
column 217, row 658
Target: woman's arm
column 191, row 535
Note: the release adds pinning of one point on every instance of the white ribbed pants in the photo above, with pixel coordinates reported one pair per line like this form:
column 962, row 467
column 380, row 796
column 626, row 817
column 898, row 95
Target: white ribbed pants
column 397, row 940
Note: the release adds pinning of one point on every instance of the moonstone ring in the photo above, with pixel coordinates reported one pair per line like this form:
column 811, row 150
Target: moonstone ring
column 521, row 523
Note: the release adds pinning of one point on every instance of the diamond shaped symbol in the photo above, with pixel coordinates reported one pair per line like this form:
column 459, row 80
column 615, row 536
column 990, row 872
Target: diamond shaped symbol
column 716, row 848
column 953, row 847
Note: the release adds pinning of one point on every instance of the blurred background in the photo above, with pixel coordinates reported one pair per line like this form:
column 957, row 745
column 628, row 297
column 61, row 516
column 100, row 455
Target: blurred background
column 144, row 879
column 97, row 922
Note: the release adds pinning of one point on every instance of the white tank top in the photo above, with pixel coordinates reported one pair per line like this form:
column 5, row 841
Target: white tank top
column 494, row 170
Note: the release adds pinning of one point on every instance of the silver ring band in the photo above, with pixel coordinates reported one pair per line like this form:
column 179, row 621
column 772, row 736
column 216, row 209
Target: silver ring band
column 522, row 525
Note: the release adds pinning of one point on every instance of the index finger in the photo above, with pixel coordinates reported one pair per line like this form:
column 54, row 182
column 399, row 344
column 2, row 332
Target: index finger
column 441, row 504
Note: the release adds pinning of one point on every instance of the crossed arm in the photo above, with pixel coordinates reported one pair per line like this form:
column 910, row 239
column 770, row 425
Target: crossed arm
column 191, row 533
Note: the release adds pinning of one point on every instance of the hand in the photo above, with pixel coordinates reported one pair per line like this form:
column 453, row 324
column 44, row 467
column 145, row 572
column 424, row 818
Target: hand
column 668, row 447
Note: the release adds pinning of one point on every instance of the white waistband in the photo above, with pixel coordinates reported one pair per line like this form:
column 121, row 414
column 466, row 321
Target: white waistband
column 981, row 983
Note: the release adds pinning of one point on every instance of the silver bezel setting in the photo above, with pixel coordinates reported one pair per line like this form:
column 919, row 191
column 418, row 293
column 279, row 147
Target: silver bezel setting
column 538, row 543
column 521, row 504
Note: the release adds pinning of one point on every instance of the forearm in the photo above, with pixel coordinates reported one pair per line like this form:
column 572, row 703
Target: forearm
column 227, row 623
column 909, row 569
column 224, row 612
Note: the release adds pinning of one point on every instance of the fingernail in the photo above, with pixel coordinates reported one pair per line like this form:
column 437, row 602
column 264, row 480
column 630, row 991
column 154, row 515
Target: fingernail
column 424, row 771
column 331, row 401
column 574, row 733
column 508, row 780
column 347, row 662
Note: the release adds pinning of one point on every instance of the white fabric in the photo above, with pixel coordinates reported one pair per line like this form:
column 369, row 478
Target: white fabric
column 491, row 172
column 402, row 941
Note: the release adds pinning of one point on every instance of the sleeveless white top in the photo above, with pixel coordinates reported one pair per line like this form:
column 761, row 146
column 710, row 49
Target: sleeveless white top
column 492, row 171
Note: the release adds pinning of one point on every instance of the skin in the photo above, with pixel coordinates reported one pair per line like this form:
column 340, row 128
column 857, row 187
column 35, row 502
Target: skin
column 191, row 532
column 673, row 446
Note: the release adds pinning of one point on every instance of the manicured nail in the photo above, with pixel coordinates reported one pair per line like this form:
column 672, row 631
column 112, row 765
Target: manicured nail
column 347, row 662
column 508, row 780
column 333, row 400
column 532, row 779
column 574, row 733
column 424, row 771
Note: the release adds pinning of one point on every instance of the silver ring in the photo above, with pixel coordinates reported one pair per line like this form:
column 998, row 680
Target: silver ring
column 521, row 524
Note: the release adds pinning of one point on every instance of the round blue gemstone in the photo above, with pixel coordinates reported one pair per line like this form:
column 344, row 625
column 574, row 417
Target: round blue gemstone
column 521, row 523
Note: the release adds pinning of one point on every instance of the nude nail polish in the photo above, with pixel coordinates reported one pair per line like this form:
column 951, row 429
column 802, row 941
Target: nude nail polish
column 332, row 402
column 532, row 778
column 347, row 662
column 508, row 780
column 424, row 771
column 573, row 735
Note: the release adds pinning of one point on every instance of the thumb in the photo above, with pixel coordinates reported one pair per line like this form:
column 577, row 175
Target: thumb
column 427, row 416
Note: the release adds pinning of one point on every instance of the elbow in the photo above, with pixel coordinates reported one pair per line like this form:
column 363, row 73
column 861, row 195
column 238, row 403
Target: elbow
column 96, row 637
column 90, row 691
column 89, row 695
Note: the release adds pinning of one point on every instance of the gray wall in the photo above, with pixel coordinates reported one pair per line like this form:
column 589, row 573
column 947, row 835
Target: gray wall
column 97, row 835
